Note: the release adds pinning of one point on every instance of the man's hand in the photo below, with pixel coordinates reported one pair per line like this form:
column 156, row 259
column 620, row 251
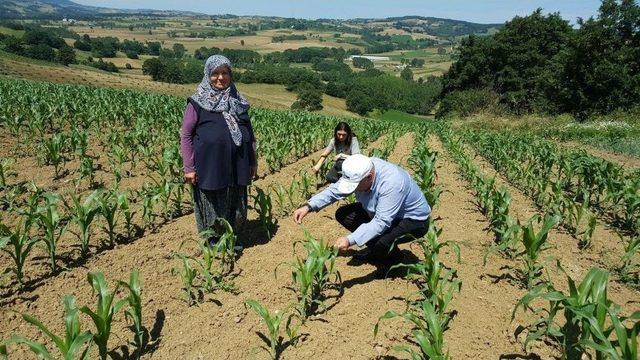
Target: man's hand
column 191, row 178
column 300, row 213
column 342, row 243
column 254, row 171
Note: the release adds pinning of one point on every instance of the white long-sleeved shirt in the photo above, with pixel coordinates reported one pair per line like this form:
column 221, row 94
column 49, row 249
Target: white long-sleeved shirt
column 393, row 195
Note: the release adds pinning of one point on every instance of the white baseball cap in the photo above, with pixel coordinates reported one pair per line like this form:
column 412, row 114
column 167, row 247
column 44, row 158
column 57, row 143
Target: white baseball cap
column 354, row 169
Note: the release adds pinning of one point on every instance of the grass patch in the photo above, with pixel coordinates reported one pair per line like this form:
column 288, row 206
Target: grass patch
column 399, row 117
column 7, row 31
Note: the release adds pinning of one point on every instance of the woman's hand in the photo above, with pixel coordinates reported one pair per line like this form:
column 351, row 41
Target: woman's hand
column 191, row 178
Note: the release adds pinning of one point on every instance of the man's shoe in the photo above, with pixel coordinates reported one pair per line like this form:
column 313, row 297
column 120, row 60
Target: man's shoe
column 362, row 256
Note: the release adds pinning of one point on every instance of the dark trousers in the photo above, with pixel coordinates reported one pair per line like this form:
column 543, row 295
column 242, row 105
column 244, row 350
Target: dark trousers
column 334, row 174
column 351, row 216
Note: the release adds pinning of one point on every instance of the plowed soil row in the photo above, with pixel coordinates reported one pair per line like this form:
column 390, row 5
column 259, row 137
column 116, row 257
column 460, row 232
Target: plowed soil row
column 606, row 250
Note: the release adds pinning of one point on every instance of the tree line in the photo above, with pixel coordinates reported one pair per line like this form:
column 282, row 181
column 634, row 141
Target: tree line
column 540, row 63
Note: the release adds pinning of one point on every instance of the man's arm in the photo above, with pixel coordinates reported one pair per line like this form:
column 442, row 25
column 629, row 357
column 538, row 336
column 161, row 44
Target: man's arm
column 388, row 206
column 325, row 197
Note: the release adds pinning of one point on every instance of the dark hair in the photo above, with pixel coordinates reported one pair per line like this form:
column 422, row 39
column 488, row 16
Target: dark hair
column 343, row 126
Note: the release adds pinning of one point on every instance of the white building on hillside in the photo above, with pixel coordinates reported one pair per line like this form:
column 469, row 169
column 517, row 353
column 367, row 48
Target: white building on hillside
column 370, row 57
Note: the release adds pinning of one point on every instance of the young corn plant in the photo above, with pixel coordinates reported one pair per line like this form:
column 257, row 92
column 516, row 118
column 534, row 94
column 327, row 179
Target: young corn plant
column 178, row 200
column 213, row 277
column 188, row 276
column 18, row 245
column 109, row 209
column 83, row 213
column 435, row 282
column 629, row 270
column 273, row 321
column 428, row 332
column 587, row 235
column 423, row 162
column 52, row 225
column 87, row 170
column 134, row 312
column 149, row 215
column 53, row 151
column 74, row 345
column 305, row 183
column 6, row 171
column 584, row 310
column 264, row 208
column 105, row 310
column 625, row 345
column 127, row 213
column 225, row 245
column 534, row 243
column 313, row 275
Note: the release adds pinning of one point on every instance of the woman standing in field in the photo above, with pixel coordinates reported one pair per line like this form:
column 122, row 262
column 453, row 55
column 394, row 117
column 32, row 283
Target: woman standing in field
column 344, row 143
column 218, row 148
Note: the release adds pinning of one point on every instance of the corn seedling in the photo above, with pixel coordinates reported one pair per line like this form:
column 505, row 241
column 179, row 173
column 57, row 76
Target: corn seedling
column 213, row 277
column 52, row 225
column 188, row 276
column 630, row 268
column 179, row 191
column 105, row 310
column 306, row 182
column 18, row 245
column 6, row 171
column 87, row 169
column 83, row 213
column 149, row 215
column 587, row 236
column 263, row 206
column 625, row 346
column 313, row 275
column 127, row 213
column 434, row 281
column 534, row 243
column 53, row 149
column 109, row 206
column 225, row 245
column 428, row 332
column 74, row 345
column 134, row 312
column 273, row 321
column 584, row 309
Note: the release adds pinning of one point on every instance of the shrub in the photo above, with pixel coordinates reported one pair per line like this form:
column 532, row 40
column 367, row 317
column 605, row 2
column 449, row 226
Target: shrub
column 467, row 102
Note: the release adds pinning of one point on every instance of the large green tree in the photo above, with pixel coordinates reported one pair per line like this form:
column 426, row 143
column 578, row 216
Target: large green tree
column 600, row 70
column 512, row 61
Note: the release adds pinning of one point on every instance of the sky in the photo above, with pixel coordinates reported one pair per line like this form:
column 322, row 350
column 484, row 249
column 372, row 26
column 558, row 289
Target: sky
column 480, row 11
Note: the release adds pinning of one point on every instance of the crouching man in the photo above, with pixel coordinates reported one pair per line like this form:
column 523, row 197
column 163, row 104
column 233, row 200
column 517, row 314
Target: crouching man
column 389, row 207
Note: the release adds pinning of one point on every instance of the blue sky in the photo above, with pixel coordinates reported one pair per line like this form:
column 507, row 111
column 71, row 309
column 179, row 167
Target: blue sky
column 490, row 11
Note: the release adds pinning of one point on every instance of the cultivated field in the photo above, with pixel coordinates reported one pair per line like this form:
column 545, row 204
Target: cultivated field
column 494, row 196
column 260, row 95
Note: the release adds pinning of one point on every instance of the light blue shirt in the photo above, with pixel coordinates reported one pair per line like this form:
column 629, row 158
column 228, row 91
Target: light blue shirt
column 393, row 195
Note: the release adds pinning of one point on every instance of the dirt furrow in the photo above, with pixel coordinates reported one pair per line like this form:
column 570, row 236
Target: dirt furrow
column 606, row 251
column 482, row 327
